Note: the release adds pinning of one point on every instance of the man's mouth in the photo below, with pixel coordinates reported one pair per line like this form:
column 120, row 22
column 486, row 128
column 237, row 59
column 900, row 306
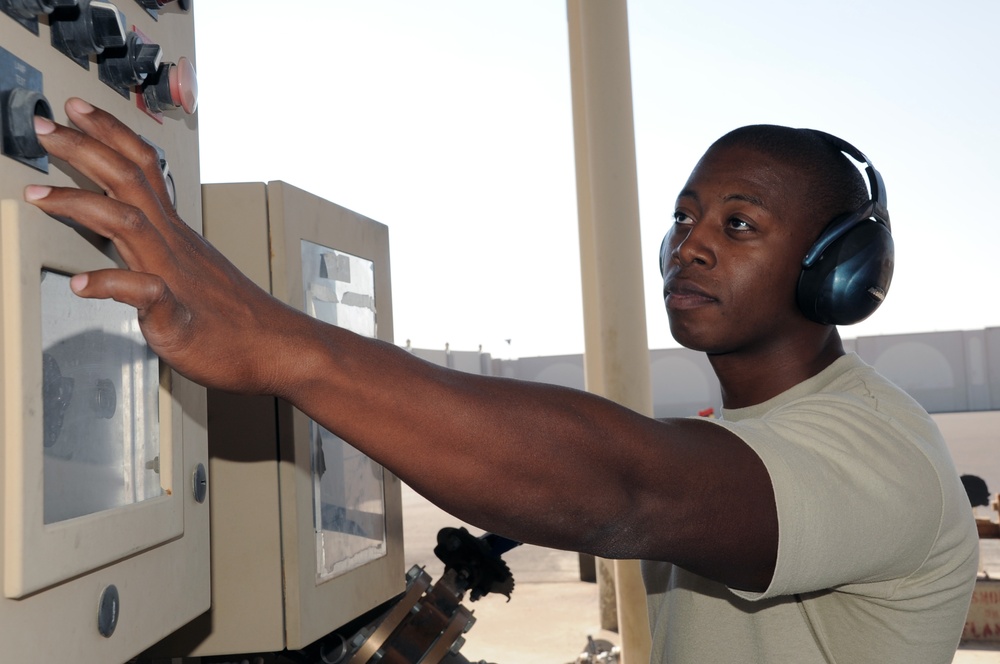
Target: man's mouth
column 682, row 294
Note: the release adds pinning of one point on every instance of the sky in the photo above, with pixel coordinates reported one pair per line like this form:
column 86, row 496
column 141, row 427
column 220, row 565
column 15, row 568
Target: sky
column 450, row 121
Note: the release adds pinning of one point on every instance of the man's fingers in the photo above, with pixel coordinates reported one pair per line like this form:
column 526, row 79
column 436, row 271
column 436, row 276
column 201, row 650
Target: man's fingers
column 163, row 319
column 136, row 240
column 138, row 289
column 107, row 129
column 120, row 177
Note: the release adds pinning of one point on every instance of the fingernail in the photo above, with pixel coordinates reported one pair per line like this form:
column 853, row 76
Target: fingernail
column 79, row 105
column 36, row 192
column 43, row 125
column 79, row 282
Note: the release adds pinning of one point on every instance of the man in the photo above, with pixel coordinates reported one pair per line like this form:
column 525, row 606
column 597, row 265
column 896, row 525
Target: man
column 820, row 521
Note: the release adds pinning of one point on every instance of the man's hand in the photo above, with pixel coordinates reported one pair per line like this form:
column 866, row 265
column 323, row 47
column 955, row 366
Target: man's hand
column 196, row 310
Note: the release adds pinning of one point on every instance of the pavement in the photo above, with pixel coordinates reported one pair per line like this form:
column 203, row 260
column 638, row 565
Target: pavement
column 551, row 612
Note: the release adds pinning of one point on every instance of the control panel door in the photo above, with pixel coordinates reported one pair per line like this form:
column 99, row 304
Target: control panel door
column 306, row 530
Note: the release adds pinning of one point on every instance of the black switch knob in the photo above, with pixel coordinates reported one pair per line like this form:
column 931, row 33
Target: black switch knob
column 32, row 8
column 108, row 25
column 129, row 66
column 95, row 26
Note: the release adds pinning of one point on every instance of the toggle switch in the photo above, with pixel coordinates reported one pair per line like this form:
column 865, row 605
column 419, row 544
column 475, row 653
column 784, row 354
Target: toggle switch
column 87, row 30
column 173, row 86
column 123, row 68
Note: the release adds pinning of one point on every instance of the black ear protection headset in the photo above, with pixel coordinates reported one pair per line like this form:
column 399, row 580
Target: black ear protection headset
column 846, row 273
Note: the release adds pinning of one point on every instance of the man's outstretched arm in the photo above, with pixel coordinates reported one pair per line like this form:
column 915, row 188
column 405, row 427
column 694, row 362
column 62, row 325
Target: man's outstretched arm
column 534, row 462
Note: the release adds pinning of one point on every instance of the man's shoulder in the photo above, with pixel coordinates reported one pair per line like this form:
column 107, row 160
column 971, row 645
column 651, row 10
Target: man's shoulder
column 848, row 387
column 850, row 384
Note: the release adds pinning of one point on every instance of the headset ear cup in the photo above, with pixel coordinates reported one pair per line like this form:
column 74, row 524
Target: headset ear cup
column 663, row 255
column 850, row 279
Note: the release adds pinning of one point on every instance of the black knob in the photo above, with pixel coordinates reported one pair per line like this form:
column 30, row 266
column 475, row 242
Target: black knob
column 96, row 25
column 32, row 8
column 129, row 66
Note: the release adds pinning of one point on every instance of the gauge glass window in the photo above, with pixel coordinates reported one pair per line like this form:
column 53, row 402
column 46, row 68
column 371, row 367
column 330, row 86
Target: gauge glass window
column 100, row 405
column 348, row 487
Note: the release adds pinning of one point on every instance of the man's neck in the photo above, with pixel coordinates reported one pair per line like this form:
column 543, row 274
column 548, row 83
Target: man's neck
column 750, row 378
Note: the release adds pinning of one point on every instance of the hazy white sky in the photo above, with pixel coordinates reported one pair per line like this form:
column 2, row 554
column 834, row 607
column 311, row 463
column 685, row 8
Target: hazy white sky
column 450, row 122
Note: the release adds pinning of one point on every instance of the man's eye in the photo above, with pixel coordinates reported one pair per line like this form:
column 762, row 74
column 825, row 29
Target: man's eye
column 740, row 225
column 681, row 218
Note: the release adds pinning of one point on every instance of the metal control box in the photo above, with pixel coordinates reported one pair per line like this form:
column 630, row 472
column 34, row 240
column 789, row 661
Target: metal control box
column 104, row 548
column 306, row 530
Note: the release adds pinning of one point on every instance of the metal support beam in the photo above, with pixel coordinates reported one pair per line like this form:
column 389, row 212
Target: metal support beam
column 616, row 361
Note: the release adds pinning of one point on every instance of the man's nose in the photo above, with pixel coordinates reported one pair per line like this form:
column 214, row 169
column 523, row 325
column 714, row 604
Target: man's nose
column 695, row 246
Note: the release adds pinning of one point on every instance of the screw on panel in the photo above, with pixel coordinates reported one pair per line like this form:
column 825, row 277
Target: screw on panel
column 107, row 611
column 200, row 483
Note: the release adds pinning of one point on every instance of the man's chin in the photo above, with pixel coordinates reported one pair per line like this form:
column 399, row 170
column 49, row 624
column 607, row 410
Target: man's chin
column 685, row 335
column 697, row 340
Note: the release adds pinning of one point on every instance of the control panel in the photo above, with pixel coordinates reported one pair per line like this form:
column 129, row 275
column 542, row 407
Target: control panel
column 307, row 532
column 104, row 545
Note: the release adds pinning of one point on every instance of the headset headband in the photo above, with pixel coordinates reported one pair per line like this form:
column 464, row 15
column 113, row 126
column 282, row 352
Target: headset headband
column 876, row 208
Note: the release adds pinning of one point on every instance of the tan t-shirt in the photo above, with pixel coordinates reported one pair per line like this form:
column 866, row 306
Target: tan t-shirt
column 877, row 546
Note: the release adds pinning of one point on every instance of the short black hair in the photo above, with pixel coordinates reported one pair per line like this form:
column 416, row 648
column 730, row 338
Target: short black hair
column 834, row 184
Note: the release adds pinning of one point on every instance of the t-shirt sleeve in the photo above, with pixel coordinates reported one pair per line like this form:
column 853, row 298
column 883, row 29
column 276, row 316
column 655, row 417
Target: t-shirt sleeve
column 858, row 501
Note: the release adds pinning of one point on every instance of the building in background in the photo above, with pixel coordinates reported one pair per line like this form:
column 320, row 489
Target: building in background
column 955, row 375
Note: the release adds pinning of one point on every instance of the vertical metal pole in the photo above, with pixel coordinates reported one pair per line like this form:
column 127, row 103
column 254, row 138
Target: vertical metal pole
column 617, row 351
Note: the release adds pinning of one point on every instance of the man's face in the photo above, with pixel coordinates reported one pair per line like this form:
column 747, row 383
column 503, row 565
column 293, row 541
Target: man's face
column 734, row 253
